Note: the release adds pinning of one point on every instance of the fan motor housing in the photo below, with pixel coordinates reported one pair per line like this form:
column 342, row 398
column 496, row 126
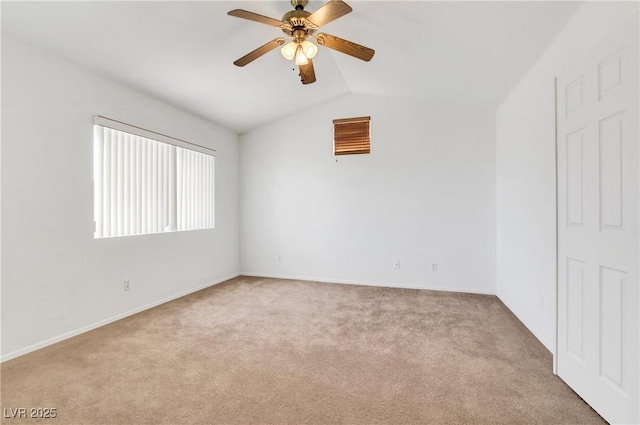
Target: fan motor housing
column 297, row 19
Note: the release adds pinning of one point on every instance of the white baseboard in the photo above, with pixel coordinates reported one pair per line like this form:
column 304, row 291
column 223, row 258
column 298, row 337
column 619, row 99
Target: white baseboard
column 366, row 283
column 112, row 319
column 532, row 329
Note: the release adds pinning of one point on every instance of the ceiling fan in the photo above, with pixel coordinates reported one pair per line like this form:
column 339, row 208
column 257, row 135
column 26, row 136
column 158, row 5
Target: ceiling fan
column 299, row 26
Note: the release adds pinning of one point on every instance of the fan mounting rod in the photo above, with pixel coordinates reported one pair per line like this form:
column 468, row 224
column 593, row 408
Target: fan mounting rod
column 299, row 3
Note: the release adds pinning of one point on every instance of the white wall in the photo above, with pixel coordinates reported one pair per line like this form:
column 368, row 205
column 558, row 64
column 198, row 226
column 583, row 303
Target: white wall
column 526, row 185
column 425, row 193
column 56, row 279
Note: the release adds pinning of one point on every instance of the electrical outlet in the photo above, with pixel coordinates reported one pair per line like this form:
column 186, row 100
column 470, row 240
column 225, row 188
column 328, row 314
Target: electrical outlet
column 396, row 264
column 434, row 267
column 127, row 285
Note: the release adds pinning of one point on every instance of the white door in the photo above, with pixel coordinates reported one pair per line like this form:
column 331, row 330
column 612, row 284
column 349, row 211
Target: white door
column 598, row 221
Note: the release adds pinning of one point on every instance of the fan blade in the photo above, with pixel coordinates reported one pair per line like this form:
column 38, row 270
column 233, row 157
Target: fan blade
column 328, row 13
column 245, row 14
column 345, row 46
column 265, row 48
column 307, row 73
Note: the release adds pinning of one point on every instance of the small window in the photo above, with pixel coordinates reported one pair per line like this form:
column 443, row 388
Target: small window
column 351, row 136
column 143, row 185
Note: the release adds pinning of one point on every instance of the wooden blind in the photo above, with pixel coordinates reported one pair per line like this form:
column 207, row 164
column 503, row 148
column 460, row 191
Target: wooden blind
column 351, row 136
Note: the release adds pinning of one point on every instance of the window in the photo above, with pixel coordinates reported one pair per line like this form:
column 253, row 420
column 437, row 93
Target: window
column 146, row 182
column 351, row 136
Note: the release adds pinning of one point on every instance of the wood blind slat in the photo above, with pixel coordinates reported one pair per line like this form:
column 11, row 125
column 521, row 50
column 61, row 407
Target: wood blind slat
column 360, row 143
column 353, row 149
column 350, row 120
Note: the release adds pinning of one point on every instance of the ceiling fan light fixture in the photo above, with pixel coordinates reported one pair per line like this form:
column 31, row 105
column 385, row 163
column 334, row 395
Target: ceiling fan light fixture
column 300, row 51
column 289, row 50
column 301, row 58
column 310, row 49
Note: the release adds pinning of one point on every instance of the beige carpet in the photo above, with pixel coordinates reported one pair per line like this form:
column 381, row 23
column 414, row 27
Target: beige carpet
column 267, row 351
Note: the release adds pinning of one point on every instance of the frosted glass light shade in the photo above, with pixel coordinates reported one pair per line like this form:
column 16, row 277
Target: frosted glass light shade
column 301, row 58
column 289, row 50
column 310, row 49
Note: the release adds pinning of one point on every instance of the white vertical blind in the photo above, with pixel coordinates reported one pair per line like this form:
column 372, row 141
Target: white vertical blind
column 195, row 190
column 145, row 186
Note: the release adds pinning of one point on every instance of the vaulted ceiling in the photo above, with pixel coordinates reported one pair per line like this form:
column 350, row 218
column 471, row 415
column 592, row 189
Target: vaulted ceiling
column 182, row 52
